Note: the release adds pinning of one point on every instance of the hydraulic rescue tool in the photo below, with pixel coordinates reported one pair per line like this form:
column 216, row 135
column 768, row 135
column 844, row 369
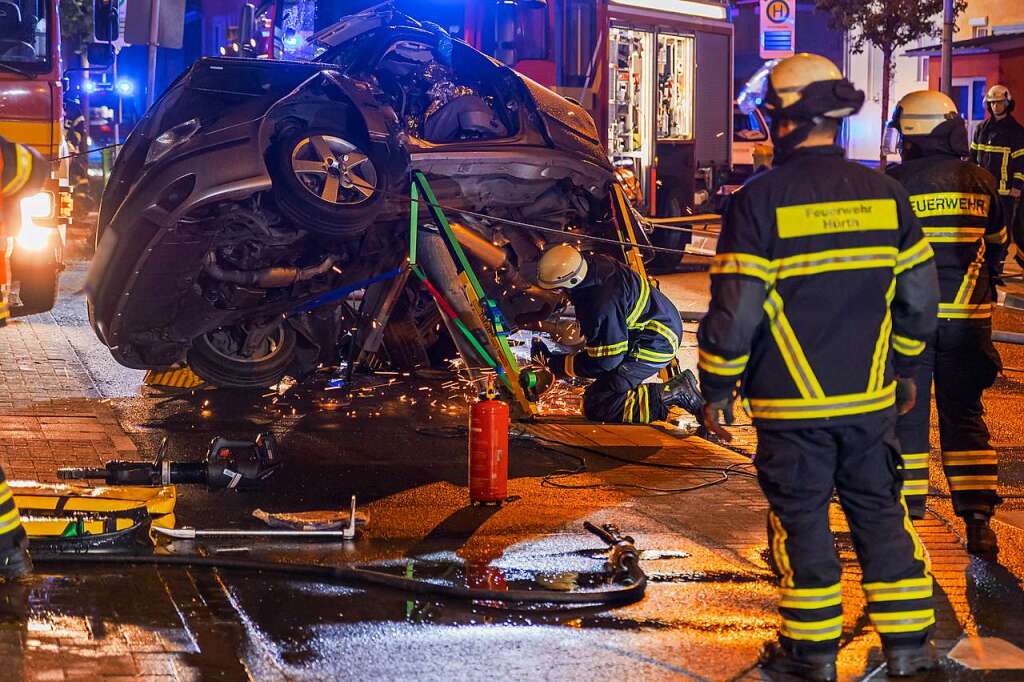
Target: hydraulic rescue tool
column 230, row 464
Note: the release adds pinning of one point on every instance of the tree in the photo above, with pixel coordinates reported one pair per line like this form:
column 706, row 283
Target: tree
column 75, row 25
column 887, row 25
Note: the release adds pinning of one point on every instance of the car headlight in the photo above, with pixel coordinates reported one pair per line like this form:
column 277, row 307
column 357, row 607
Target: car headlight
column 169, row 139
column 36, row 207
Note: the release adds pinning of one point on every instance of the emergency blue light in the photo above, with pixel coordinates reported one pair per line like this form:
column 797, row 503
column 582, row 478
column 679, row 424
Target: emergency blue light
column 88, row 86
column 125, row 87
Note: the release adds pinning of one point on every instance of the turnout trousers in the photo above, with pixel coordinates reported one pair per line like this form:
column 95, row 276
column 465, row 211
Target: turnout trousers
column 798, row 471
column 962, row 362
column 12, row 534
column 621, row 396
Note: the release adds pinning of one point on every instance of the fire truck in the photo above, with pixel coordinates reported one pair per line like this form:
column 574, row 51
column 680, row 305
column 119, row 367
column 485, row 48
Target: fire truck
column 31, row 113
column 656, row 75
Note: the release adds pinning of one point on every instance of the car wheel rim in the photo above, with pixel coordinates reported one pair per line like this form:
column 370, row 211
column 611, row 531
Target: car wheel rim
column 334, row 170
column 246, row 344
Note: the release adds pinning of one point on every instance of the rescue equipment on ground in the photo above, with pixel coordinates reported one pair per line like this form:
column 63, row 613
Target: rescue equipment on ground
column 180, row 377
column 310, row 525
column 488, row 450
column 626, row 580
column 75, row 518
column 228, row 464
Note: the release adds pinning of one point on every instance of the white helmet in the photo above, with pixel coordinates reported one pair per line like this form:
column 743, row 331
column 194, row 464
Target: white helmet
column 998, row 93
column 561, row 267
column 921, row 112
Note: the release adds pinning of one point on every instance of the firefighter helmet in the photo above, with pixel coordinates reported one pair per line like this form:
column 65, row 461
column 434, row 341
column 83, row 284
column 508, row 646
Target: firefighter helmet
column 921, row 112
column 999, row 93
column 802, row 87
column 561, row 267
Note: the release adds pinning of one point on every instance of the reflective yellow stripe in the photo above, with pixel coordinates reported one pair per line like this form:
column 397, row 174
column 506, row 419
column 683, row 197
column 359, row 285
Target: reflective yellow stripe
column 1017, row 154
column 627, row 409
column 880, row 359
column 834, row 260
column 832, row 406
column 950, row 203
column 743, row 264
column 969, row 457
column 915, row 461
column 5, row 494
column 789, row 347
column 779, row 553
column 953, row 235
column 918, row 253
column 9, row 521
column 963, row 296
column 812, row 631
column 663, row 330
column 716, row 364
column 836, row 217
column 652, row 356
column 1005, row 152
column 570, row 365
column 23, row 170
column 952, row 311
column 920, row 553
column 959, row 483
column 903, row 621
column 641, row 303
column 810, row 597
column 1000, row 237
column 907, row 346
column 911, row 588
column 607, row 351
column 645, row 404
column 916, row 487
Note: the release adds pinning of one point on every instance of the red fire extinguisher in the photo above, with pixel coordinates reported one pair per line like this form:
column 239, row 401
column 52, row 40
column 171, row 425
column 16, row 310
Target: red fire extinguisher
column 488, row 451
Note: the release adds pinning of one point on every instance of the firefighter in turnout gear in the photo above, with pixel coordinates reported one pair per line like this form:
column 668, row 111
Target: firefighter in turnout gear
column 958, row 205
column 998, row 147
column 23, row 173
column 632, row 330
column 823, row 291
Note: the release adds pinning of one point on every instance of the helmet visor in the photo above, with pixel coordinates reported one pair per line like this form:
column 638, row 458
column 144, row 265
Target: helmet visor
column 756, row 89
column 891, row 140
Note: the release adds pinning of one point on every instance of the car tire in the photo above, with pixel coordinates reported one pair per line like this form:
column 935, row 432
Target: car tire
column 304, row 160
column 39, row 275
column 212, row 358
column 672, row 206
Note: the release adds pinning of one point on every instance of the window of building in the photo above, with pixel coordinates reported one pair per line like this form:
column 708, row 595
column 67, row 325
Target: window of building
column 922, row 68
column 979, row 31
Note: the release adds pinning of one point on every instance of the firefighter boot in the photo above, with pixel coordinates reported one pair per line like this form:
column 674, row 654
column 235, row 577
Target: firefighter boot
column 783, row 665
column 682, row 391
column 981, row 539
column 902, row 662
column 15, row 563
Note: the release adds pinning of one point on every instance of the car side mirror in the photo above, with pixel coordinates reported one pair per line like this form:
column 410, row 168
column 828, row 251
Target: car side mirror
column 505, row 32
column 100, row 54
column 105, row 20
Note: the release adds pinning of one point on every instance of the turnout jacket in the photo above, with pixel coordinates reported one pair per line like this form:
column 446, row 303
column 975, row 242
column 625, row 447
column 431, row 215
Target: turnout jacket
column 998, row 147
column 962, row 218
column 623, row 318
column 822, row 291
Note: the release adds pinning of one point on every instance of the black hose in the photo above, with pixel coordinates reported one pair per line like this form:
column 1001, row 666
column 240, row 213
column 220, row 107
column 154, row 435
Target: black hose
column 621, row 594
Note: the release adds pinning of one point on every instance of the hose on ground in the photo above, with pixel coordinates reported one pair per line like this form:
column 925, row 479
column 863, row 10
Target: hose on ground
column 623, row 564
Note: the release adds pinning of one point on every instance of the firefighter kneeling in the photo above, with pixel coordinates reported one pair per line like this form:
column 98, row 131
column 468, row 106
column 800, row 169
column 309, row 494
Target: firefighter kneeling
column 632, row 330
column 822, row 291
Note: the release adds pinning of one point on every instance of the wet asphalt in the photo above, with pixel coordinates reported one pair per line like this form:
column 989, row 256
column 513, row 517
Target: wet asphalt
column 708, row 609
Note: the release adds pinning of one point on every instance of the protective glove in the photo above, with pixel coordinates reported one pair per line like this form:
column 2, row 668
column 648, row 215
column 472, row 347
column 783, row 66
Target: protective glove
column 906, row 395
column 539, row 353
column 713, row 423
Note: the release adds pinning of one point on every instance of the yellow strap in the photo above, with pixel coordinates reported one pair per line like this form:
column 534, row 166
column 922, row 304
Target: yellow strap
column 880, row 358
column 902, row 621
column 743, row 264
column 953, row 311
column 663, row 330
column 904, row 345
column 607, row 351
column 813, row 631
column 833, row 260
column 640, row 305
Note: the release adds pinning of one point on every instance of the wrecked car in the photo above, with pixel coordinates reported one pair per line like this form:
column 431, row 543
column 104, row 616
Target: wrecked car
column 253, row 187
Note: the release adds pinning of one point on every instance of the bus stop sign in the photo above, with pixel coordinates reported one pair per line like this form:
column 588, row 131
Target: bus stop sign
column 778, row 28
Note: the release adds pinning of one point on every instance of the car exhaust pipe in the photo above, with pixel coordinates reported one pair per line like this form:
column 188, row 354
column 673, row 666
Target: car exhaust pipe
column 496, row 258
column 267, row 278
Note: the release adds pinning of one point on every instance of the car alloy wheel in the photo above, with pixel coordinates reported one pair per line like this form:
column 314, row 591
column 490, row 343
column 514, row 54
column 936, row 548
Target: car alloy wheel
column 334, row 170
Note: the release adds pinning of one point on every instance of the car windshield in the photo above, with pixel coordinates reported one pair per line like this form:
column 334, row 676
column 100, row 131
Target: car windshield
column 24, row 31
